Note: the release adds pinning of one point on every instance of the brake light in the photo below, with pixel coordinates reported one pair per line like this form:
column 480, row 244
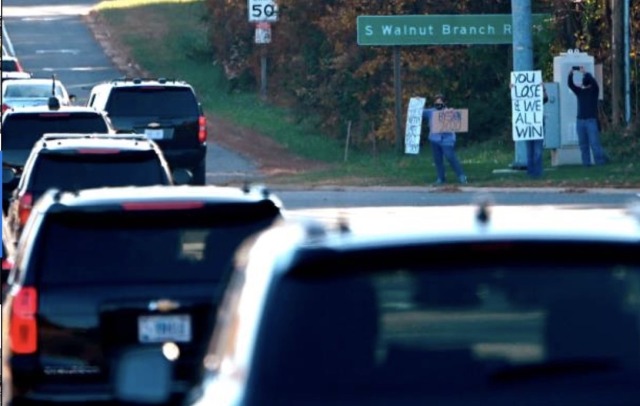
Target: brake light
column 98, row 151
column 19, row 66
column 23, row 330
column 202, row 129
column 6, row 264
column 55, row 115
column 5, row 107
column 24, row 208
column 162, row 205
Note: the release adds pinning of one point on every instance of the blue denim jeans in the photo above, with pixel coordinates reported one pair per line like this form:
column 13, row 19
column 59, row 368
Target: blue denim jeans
column 445, row 151
column 589, row 141
column 534, row 158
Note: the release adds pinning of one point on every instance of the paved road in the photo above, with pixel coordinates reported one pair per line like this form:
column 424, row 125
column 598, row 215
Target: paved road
column 50, row 37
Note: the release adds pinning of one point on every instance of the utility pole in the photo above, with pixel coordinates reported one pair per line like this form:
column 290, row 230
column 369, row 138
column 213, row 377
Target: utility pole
column 627, row 62
column 616, row 62
column 522, row 59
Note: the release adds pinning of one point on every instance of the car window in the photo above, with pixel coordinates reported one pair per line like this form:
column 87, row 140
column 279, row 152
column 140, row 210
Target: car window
column 83, row 171
column 9, row 65
column 446, row 329
column 21, row 131
column 129, row 247
column 152, row 101
column 31, row 90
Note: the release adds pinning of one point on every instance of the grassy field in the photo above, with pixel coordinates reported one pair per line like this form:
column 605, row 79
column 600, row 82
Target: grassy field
column 179, row 47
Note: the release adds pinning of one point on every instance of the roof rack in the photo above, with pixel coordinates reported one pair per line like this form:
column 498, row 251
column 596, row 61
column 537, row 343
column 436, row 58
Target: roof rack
column 142, row 79
column 120, row 136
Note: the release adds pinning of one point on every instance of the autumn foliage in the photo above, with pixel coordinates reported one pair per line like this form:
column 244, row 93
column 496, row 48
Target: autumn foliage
column 315, row 64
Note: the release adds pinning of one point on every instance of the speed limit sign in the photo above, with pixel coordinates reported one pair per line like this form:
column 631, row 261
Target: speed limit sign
column 263, row 10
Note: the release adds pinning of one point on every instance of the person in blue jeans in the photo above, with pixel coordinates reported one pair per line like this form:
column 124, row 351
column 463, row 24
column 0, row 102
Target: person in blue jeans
column 587, row 119
column 443, row 145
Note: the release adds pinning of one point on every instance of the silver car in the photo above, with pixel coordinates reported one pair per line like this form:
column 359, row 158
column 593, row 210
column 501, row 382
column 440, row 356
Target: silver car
column 33, row 92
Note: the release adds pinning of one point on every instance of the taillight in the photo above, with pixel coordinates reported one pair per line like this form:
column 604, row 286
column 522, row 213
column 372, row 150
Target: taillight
column 6, row 264
column 19, row 67
column 98, row 151
column 23, row 329
column 24, row 207
column 5, row 107
column 202, row 129
column 133, row 206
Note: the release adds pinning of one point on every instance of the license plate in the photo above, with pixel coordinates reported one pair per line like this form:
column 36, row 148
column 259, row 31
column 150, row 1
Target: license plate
column 157, row 329
column 154, row 134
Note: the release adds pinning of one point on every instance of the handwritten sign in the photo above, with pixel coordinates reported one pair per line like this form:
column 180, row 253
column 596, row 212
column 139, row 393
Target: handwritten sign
column 527, row 105
column 449, row 120
column 414, row 125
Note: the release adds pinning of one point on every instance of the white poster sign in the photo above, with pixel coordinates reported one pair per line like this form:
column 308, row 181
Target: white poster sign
column 527, row 105
column 262, row 10
column 263, row 33
column 414, row 125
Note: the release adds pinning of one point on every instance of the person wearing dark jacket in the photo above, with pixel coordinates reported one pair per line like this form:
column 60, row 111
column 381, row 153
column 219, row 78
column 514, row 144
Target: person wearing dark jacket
column 587, row 119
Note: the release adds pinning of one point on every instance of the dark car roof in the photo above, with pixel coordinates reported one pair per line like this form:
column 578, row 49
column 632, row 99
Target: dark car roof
column 133, row 195
column 46, row 109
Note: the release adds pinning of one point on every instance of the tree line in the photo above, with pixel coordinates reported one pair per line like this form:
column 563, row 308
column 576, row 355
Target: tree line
column 316, row 67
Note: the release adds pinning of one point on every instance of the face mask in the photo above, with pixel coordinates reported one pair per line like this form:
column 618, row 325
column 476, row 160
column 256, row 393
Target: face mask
column 439, row 106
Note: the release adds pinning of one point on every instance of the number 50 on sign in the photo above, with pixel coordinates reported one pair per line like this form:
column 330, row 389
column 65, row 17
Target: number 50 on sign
column 263, row 10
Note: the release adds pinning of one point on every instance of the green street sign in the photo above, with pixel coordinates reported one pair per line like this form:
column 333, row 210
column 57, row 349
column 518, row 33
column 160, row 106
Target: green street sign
column 438, row 29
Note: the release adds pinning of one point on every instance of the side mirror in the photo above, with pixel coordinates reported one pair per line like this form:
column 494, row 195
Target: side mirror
column 72, row 97
column 182, row 176
column 142, row 375
column 8, row 175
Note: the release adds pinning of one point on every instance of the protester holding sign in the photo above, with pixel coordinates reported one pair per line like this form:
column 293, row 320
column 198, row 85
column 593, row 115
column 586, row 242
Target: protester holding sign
column 443, row 144
column 587, row 120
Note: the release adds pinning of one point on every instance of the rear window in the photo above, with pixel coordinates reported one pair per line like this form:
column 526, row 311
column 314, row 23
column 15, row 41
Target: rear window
column 9, row 65
column 143, row 247
column 82, row 171
column 158, row 101
column 23, row 89
column 21, row 131
column 409, row 334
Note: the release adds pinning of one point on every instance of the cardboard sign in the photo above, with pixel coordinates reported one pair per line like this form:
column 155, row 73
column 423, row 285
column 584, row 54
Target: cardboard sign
column 450, row 120
column 413, row 127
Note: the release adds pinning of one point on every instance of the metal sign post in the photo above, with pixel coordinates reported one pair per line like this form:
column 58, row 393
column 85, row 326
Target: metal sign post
column 262, row 13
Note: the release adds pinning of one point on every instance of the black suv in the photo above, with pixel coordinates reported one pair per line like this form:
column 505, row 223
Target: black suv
column 103, row 270
column 83, row 161
column 22, row 127
column 167, row 111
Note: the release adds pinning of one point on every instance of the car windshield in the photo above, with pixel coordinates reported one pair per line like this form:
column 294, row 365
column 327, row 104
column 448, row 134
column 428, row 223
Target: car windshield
column 162, row 246
column 21, row 131
column 23, row 89
column 422, row 335
column 75, row 171
column 153, row 101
